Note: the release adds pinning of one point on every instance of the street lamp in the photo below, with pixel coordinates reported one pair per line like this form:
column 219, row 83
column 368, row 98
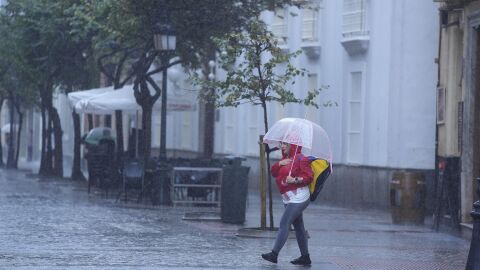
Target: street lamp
column 165, row 38
column 164, row 41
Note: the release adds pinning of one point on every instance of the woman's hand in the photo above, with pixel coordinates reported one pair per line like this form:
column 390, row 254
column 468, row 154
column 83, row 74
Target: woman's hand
column 284, row 162
column 291, row 180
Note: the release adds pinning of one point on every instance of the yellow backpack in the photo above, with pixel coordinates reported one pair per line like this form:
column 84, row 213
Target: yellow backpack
column 321, row 170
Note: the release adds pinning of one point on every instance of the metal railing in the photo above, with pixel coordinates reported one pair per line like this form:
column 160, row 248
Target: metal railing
column 193, row 185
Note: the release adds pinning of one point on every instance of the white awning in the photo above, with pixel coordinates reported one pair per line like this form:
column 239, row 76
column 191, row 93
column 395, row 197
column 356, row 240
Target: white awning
column 75, row 97
column 122, row 99
column 106, row 101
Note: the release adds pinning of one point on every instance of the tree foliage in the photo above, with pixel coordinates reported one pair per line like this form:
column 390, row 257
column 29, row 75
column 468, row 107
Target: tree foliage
column 258, row 71
column 48, row 55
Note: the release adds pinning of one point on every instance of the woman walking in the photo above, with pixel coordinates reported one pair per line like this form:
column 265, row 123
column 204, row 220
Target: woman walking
column 293, row 174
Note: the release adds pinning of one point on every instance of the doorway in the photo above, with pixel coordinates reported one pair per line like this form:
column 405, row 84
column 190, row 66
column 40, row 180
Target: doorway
column 476, row 113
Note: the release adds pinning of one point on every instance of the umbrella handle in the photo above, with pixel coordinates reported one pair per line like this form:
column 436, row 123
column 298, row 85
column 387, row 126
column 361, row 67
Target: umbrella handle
column 293, row 161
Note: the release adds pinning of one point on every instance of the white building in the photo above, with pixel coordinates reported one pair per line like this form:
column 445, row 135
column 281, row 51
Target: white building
column 378, row 59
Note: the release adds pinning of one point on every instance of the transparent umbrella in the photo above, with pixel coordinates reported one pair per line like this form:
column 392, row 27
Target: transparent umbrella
column 312, row 137
column 98, row 133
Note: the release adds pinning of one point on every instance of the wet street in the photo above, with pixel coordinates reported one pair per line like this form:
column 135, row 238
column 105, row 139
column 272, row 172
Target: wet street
column 55, row 224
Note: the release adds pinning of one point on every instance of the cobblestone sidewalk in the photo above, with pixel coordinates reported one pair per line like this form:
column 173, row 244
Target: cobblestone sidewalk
column 55, row 224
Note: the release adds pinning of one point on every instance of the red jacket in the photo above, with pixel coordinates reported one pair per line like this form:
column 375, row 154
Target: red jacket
column 301, row 168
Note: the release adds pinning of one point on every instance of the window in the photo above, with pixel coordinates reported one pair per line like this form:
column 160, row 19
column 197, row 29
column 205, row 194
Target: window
column 279, row 25
column 355, row 118
column 310, row 24
column 354, row 18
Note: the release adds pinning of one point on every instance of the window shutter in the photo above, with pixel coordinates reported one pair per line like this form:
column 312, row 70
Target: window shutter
column 353, row 17
column 279, row 24
column 309, row 25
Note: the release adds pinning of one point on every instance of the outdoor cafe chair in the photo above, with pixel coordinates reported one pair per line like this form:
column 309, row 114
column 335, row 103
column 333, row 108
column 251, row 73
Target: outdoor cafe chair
column 133, row 176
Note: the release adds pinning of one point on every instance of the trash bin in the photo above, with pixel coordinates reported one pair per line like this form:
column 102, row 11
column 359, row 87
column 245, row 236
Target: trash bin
column 407, row 197
column 234, row 191
column 101, row 164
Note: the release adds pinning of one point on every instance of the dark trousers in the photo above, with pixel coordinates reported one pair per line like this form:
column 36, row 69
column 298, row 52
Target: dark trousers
column 292, row 215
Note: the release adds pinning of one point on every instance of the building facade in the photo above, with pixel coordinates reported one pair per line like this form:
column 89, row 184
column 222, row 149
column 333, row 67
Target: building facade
column 458, row 110
column 378, row 59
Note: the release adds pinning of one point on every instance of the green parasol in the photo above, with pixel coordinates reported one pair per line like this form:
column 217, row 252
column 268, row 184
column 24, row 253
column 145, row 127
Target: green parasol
column 99, row 133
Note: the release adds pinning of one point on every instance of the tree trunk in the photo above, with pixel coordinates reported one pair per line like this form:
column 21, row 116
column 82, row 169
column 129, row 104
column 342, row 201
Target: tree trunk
column 146, row 101
column 2, row 164
column 142, row 96
column 43, row 156
column 270, row 202
column 46, row 166
column 11, row 140
column 57, row 132
column 119, row 140
column 49, row 154
column 263, row 189
column 76, row 170
column 20, row 123
column 147, row 131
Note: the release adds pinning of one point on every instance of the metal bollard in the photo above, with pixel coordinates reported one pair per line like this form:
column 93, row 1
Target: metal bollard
column 473, row 262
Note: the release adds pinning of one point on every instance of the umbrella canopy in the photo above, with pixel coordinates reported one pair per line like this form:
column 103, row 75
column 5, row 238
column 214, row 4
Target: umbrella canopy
column 75, row 97
column 98, row 133
column 121, row 99
column 313, row 138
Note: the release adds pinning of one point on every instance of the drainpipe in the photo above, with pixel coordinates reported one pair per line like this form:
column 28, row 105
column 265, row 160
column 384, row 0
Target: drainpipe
column 437, row 195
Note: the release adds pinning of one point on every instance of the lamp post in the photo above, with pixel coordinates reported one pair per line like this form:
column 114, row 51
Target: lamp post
column 473, row 262
column 209, row 125
column 165, row 42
